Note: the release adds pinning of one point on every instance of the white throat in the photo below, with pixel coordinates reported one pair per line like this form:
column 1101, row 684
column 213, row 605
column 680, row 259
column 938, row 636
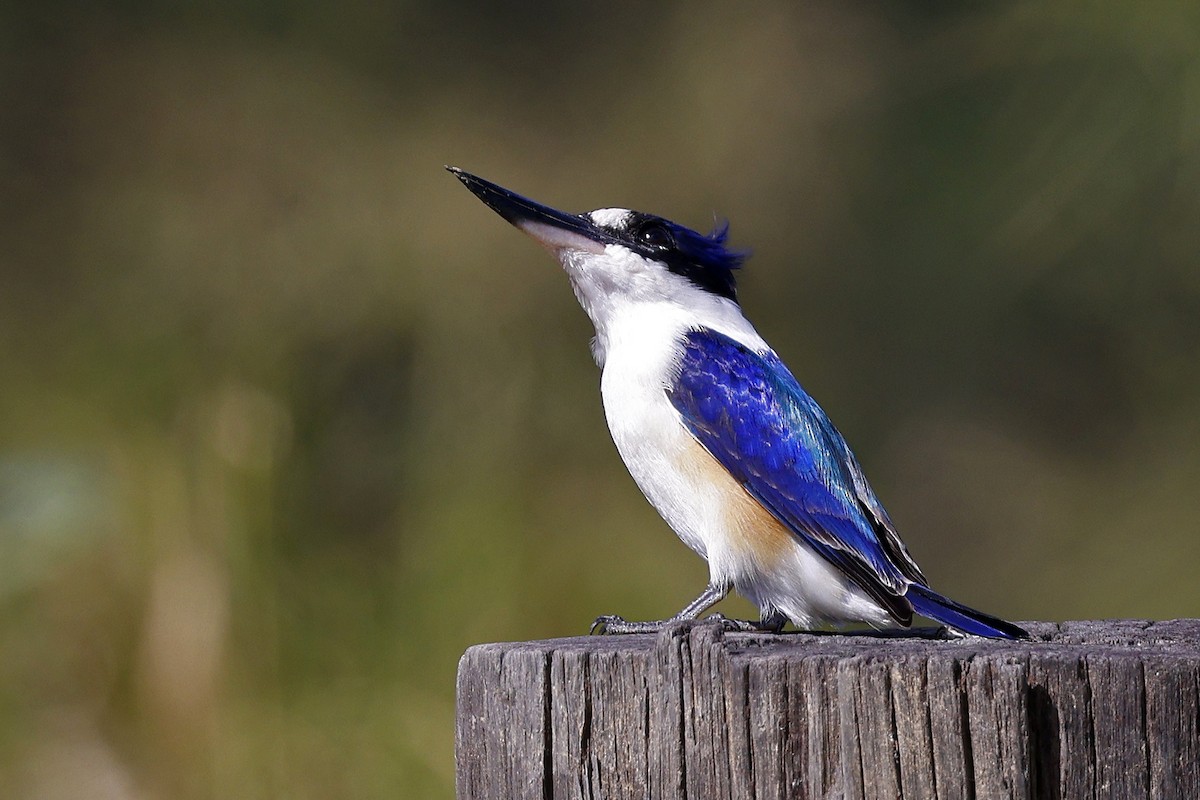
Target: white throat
column 629, row 298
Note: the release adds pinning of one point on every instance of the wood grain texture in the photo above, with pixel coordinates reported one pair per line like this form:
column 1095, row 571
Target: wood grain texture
column 1088, row 710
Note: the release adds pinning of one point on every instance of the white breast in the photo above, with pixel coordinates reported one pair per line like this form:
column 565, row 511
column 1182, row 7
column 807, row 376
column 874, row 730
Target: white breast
column 643, row 347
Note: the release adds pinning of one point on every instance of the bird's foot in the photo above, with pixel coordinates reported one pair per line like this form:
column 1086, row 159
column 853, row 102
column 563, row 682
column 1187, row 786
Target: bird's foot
column 770, row 625
column 612, row 624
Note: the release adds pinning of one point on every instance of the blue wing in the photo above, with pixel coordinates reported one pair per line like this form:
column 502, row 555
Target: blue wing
column 749, row 412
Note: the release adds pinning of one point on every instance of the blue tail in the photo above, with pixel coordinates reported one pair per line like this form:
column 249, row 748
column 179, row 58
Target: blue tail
column 928, row 603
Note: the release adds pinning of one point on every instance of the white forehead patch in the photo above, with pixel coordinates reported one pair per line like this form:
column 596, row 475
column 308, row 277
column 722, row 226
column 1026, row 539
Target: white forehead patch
column 609, row 217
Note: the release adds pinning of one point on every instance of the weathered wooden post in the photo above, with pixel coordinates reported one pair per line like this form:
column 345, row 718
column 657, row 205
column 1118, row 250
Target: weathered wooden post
column 1092, row 709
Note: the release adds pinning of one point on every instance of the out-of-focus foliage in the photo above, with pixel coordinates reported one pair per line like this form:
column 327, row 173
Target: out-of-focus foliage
column 289, row 419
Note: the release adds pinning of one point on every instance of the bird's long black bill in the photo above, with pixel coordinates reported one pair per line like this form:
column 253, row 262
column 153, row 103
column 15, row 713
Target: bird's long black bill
column 553, row 228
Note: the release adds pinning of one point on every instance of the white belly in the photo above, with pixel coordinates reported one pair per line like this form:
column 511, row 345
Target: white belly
column 656, row 449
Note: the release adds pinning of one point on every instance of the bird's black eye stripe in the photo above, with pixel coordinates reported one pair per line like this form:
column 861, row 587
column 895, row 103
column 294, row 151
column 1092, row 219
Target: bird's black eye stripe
column 703, row 260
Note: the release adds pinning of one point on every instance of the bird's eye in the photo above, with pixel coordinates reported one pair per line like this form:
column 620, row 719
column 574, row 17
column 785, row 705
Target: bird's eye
column 656, row 235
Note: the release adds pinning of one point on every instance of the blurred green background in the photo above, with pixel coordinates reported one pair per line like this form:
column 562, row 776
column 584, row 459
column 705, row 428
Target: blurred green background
column 289, row 419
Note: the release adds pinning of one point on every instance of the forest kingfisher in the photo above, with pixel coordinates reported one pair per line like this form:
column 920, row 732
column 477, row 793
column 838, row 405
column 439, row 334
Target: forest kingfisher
column 742, row 464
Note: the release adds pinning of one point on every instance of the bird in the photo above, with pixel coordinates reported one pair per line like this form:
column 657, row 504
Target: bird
column 721, row 439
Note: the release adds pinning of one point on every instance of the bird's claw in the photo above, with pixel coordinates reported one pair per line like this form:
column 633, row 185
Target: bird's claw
column 613, row 624
column 737, row 625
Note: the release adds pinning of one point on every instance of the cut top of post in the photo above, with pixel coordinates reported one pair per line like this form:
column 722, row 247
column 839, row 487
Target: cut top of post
column 1088, row 709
